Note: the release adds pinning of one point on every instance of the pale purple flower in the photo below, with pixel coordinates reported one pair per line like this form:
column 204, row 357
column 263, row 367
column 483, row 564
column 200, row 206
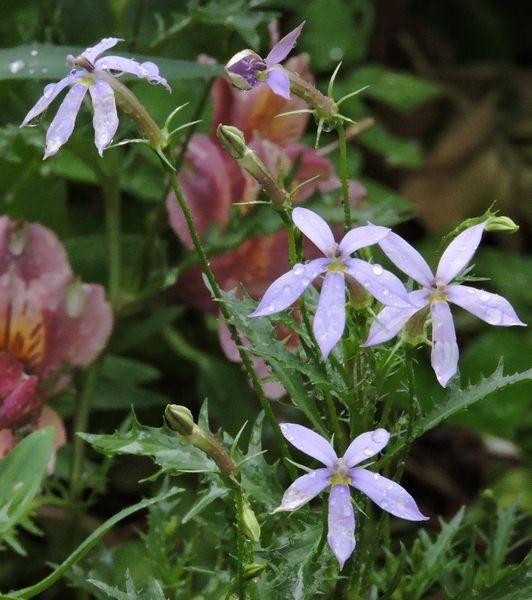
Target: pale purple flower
column 437, row 292
column 338, row 475
column 89, row 73
column 247, row 69
column 329, row 321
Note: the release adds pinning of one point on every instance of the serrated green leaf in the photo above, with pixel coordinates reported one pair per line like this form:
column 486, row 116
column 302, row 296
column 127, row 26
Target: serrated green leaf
column 458, row 399
column 161, row 444
column 214, row 492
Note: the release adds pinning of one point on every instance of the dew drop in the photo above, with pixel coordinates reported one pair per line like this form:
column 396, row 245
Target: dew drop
column 377, row 269
column 286, row 289
column 298, row 269
column 48, row 90
column 271, row 308
column 16, row 66
column 368, row 451
column 376, row 476
column 471, row 291
column 379, row 436
column 484, row 297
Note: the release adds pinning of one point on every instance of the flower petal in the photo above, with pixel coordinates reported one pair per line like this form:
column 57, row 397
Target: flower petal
column 51, row 92
column 63, row 123
column 360, row 237
column 304, row 489
column 329, row 320
column 492, row 308
column 278, row 81
column 341, row 536
column 283, row 47
column 105, row 118
column 146, row 70
column 365, row 446
column 407, row 258
column 391, row 319
column 381, row 284
column 444, row 357
column 387, row 494
column 287, row 288
column 310, row 443
column 93, row 52
column 314, row 227
column 459, row 252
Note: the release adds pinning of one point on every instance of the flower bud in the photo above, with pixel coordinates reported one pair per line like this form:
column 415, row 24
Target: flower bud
column 252, row 570
column 358, row 294
column 179, row 419
column 251, row 524
column 232, row 139
column 502, row 224
column 244, row 69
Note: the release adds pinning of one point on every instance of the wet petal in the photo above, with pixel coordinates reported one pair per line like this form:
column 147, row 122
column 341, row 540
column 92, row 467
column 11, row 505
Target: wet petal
column 329, row 321
column 459, row 252
column 105, row 118
column 93, row 52
column 146, row 70
column 389, row 322
column 314, row 227
column 304, row 489
column 444, row 357
column 365, row 446
column 387, row 494
column 406, row 258
column 51, row 92
column 310, row 443
column 341, row 536
column 286, row 289
column 381, row 284
column 284, row 46
column 63, row 123
column 361, row 237
column 492, row 308
column 278, row 81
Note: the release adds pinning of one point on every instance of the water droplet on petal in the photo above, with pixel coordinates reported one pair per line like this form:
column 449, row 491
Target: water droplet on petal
column 377, row 269
column 48, row 89
column 368, row 451
column 484, row 297
column 286, row 289
column 471, row 291
column 379, row 436
column 298, row 269
column 376, row 476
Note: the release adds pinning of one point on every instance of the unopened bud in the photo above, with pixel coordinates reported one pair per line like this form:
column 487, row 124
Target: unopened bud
column 251, row 524
column 179, row 419
column 245, row 68
column 252, row 570
column 502, row 224
column 233, row 140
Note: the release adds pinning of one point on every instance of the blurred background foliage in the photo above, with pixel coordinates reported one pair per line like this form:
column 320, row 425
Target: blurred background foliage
column 450, row 88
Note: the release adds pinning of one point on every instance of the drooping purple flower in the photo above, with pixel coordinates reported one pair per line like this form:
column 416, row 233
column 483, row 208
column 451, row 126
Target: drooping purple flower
column 339, row 474
column 89, row 73
column 329, row 321
column 247, row 69
column 437, row 292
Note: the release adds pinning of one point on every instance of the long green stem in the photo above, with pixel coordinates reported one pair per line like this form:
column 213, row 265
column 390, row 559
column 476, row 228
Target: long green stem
column 239, row 500
column 344, row 174
column 112, row 221
column 246, row 360
column 80, row 424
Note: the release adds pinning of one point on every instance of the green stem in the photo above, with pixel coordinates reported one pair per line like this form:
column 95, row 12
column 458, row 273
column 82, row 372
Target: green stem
column 413, row 412
column 81, row 421
column 344, row 175
column 246, row 360
column 111, row 190
column 241, row 586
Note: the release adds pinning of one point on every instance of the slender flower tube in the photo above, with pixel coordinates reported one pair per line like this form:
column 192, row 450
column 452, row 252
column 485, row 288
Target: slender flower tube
column 338, row 475
column 98, row 76
column 247, row 69
column 329, row 321
column 437, row 292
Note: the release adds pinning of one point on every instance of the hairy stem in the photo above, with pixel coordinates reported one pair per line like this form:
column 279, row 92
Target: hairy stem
column 344, row 174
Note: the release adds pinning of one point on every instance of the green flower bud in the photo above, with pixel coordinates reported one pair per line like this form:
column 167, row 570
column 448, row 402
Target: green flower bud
column 502, row 224
column 251, row 524
column 233, row 140
column 179, row 419
column 252, row 570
